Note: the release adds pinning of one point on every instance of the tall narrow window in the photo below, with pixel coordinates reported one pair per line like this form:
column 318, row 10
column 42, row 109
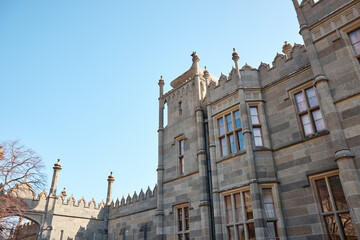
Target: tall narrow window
column 334, row 207
column 183, row 223
column 181, row 157
column 239, row 216
column 230, row 133
column 309, row 111
column 180, row 108
column 355, row 42
column 165, row 114
column 254, row 115
column 270, row 213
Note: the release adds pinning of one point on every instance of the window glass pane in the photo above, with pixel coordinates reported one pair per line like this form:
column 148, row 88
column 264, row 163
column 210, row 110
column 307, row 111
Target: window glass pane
column 311, row 95
column 254, row 115
column 254, row 119
column 186, row 212
column 257, row 132
column 258, row 141
column 253, row 111
column 257, row 137
column 238, row 208
column 231, row 233
column 232, row 143
column 357, row 48
column 300, row 99
column 348, row 226
column 187, row 236
column 240, row 140
column 251, row 231
column 338, row 193
column 223, row 146
column 268, row 203
column 305, row 119
column 271, row 226
column 180, row 237
column 319, row 121
column 248, row 205
column 237, row 119
column 229, row 123
column 180, row 219
column 180, row 108
column 324, row 195
column 181, row 147
column 182, row 167
column 355, row 36
column 228, row 207
column 241, row 232
column 221, row 126
column 332, row 228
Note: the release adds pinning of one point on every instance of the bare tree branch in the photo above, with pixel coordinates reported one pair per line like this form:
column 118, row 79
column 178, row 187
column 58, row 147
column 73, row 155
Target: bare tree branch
column 18, row 165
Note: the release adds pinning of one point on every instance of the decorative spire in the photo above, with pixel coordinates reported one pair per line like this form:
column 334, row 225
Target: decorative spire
column 63, row 192
column 235, row 56
column 206, row 73
column 287, row 47
column 111, row 177
column 161, row 81
column 57, row 165
column 195, row 57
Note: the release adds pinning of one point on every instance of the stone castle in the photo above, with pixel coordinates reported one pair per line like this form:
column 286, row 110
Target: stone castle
column 266, row 153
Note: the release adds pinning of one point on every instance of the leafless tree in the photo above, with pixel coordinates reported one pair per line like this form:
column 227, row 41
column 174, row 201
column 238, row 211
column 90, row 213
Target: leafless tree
column 18, row 165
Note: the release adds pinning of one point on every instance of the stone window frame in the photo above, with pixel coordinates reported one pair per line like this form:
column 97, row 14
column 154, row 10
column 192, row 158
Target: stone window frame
column 303, row 88
column 344, row 32
column 183, row 232
column 277, row 219
column 235, row 132
column 323, row 214
column 180, row 155
column 352, row 44
column 256, row 125
column 180, row 107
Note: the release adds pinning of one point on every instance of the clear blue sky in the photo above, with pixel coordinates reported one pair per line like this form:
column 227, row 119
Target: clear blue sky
column 79, row 78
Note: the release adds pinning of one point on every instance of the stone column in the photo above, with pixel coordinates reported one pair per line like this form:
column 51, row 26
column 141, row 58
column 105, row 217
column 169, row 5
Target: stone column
column 255, row 188
column 57, row 168
column 203, row 177
column 160, row 169
column 45, row 229
column 212, row 156
column 345, row 159
column 110, row 180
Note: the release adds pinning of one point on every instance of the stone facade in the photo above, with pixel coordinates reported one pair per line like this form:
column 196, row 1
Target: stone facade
column 271, row 152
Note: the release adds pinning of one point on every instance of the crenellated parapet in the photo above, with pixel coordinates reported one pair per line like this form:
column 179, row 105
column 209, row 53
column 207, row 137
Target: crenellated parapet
column 315, row 10
column 283, row 65
column 135, row 203
column 62, row 201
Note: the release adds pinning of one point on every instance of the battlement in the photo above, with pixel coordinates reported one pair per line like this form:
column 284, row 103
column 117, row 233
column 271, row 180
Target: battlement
column 316, row 10
column 283, row 65
column 135, row 203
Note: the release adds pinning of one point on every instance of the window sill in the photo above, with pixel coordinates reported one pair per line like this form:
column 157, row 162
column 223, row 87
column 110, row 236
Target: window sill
column 315, row 135
column 236, row 154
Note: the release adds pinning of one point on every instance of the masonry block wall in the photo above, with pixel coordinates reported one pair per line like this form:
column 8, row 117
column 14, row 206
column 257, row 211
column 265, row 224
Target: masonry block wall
column 261, row 153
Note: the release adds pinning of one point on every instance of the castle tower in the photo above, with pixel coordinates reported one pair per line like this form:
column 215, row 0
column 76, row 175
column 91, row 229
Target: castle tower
column 327, row 27
column 183, row 163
